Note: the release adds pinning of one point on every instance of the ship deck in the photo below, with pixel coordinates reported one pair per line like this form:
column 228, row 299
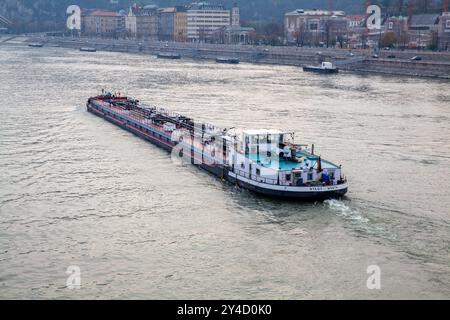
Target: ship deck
column 309, row 161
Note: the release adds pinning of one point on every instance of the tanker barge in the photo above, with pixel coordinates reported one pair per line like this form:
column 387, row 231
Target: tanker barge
column 267, row 162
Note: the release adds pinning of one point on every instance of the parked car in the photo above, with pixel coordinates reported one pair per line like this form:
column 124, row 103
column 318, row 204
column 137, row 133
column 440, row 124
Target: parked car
column 391, row 56
column 416, row 58
column 387, row 48
column 350, row 54
column 375, row 56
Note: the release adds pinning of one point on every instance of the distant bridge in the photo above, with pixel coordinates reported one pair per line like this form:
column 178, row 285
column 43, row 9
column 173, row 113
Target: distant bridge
column 5, row 21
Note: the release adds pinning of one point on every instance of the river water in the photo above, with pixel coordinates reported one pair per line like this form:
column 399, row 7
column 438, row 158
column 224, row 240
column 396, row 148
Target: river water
column 78, row 191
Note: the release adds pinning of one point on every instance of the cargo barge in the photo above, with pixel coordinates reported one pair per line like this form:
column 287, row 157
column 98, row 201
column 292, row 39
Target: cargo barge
column 267, row 162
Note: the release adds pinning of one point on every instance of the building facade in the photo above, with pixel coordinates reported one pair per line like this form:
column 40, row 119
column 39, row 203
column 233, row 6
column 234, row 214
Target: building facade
column 238, row 35
column 166, row 24
column 173, row 24
column 180, row 29
column 315, row 27
column 399, row 27
column 203, row 20
column 102, row 23
column 423, row 30
column 142, row 22
column 444, row 32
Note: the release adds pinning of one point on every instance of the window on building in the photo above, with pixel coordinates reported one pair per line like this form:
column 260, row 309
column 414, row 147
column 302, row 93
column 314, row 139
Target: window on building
column 447, row 24
column 313, row 26
column 391, row 25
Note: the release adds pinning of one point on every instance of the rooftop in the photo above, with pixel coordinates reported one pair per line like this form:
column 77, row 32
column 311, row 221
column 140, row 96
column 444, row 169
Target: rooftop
column 315, row 12
column 429, row 19
column 357, row 18
column 206, row 6
column 101, row 13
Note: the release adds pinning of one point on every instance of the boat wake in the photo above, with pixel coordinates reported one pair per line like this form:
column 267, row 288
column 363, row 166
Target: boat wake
column 345, row 211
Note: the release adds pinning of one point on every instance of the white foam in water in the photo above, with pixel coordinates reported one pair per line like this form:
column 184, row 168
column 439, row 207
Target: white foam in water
column 345, row 211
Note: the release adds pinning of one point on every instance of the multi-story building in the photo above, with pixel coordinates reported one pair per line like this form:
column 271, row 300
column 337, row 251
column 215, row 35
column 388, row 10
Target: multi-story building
column 180, row 30
column 204, row 19
column 423, row 29
column 173, row 24
column 444, row 32
column 398, row 26
column 314, row 27
column 142, row 22
column 102, row 23
column 166, row 24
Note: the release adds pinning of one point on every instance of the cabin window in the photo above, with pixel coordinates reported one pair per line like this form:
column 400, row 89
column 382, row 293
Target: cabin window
column 242, row 165
column 310, row 176
column 258, row 172
column 288, row 177
column 298, row 175
column 269, row 154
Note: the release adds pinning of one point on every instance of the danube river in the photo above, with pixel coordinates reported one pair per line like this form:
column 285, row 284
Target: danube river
column 77, row 191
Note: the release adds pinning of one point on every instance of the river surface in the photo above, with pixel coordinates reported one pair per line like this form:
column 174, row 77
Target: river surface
column 77, row 191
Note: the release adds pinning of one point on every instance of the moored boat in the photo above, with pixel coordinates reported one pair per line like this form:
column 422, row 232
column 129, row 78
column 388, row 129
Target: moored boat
column 36, row 44
column 325, row 67
column 88, row 49
column 228, row 60
column 168, row 55
column 268, row 162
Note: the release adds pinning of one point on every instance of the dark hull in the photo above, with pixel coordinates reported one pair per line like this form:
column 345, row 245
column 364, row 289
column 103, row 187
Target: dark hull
column 228, row 61
column 168, row 56
column 303, row 196
column 88, row 50
column 320, row 70
column 218, row 170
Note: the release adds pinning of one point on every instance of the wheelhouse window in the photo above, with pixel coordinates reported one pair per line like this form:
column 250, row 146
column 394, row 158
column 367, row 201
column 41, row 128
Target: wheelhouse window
column 258, row 172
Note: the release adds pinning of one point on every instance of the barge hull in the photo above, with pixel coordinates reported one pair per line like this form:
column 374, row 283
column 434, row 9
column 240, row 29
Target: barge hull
column 218, row 170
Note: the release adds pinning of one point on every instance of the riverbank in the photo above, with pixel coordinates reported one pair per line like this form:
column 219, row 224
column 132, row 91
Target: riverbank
column 433, row 64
